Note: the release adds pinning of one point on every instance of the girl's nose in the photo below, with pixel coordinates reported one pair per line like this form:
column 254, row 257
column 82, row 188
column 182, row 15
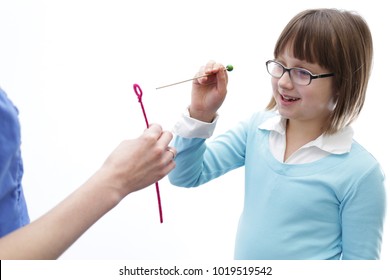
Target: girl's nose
column 285, row 81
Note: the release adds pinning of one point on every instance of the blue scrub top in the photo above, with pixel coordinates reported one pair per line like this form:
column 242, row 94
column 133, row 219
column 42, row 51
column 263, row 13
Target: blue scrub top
column 13, row 209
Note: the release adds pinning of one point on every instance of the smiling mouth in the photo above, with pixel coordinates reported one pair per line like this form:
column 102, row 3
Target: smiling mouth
column 289, row 98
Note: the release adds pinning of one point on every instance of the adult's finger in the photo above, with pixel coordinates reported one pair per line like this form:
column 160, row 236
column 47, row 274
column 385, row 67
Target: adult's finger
column 154, row 130
column 165, row 138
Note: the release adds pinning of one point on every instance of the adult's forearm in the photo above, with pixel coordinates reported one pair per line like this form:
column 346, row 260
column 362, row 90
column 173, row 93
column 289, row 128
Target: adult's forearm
column 49, row 236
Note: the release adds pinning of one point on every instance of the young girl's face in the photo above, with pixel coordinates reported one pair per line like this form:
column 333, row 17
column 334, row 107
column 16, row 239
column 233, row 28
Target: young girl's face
column 311, row 103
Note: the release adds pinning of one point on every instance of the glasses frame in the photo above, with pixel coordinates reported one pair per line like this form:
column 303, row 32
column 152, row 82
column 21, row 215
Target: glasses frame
column 285, row 69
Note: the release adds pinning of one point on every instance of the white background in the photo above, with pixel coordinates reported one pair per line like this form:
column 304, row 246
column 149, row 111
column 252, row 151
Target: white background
column 69, row 66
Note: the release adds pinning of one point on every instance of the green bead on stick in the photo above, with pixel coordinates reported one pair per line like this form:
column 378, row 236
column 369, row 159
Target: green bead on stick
column 228, row 68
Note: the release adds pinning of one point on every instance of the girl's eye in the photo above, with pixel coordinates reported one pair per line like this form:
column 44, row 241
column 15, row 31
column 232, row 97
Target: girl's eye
column 302, row 72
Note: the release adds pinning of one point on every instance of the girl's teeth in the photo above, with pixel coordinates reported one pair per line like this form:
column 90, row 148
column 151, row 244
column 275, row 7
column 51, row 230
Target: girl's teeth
column 289, row 98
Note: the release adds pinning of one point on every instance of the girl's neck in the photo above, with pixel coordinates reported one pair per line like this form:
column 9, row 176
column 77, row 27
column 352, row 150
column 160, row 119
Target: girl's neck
column 299, row 134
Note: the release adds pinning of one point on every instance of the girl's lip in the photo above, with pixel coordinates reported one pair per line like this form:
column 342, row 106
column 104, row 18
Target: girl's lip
column 288, row 99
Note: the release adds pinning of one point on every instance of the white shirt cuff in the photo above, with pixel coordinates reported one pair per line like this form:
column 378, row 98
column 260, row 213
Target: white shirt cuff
column 188, row 127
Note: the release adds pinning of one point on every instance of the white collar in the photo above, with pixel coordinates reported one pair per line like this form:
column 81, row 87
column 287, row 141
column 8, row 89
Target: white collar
column 337, row 143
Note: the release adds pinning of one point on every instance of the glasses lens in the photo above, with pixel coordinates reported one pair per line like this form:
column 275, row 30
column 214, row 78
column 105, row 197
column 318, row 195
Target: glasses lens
column 275, row 69
column 300, row 76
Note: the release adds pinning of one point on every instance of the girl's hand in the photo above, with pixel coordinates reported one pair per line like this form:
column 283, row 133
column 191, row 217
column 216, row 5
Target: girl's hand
column 208, row 93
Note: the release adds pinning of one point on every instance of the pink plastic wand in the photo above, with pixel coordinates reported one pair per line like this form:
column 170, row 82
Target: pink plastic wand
column 138, row 92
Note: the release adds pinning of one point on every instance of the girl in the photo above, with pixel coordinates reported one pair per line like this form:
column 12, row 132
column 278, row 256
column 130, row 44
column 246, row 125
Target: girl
column 311, row 191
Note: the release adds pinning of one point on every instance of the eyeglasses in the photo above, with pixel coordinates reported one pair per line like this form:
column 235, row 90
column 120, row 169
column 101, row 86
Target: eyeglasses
column 298, row 76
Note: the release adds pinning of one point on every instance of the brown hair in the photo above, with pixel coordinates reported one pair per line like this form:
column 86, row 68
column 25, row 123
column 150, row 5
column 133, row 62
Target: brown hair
column 341, row 42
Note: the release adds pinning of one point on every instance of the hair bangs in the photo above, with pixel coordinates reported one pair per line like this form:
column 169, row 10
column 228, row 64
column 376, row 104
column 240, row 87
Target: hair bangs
column 308, row 39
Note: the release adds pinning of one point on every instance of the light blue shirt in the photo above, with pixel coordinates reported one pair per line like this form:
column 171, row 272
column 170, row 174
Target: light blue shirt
column 330, row 208
column 13, row 210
